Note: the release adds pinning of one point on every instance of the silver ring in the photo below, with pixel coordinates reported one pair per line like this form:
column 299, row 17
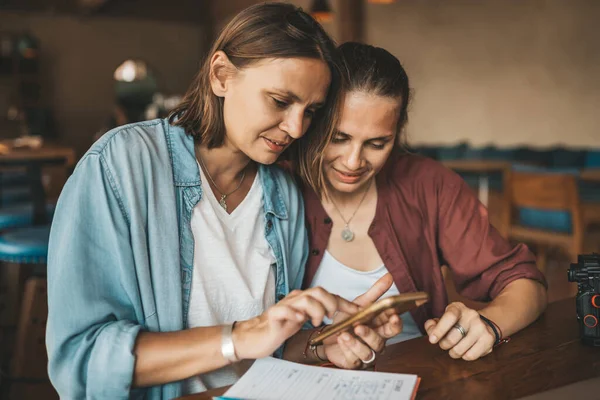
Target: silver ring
column 370, row 360
column 460, row 329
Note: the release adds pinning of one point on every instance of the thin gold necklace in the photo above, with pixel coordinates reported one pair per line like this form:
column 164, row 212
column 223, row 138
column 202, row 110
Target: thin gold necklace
column 347, row 233
column 223, row 199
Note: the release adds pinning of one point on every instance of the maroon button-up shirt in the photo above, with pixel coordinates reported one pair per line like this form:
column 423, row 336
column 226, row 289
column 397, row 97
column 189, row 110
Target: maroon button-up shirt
column 427, row 217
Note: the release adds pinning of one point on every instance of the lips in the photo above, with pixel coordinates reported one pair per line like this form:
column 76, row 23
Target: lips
column 276, row 145
column 346, row 177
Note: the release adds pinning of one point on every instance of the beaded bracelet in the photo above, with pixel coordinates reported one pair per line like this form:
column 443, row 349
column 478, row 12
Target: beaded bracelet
column 313, row 348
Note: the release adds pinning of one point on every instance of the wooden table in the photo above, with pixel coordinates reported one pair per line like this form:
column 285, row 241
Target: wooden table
column 477, row 165
column 483, row 168
column 47, row 153
column 546, row 355
column 33, row 160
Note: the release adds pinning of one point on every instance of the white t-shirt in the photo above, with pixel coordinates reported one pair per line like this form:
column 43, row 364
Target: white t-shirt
column 349, row 283
column 233, row 278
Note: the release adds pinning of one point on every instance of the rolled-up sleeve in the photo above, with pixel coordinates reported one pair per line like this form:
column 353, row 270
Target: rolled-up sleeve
column 481, row 260
column 92, row 328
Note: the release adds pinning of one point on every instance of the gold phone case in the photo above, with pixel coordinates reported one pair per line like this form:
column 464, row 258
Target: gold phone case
column 401, row 303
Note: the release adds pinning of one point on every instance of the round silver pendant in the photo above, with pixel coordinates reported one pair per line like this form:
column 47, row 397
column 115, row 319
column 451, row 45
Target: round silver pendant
column 347, row 234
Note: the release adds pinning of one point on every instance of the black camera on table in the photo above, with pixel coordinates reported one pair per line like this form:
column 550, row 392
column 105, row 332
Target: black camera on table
column 587, row 275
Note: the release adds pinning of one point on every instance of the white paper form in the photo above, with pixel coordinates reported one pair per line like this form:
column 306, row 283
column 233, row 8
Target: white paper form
column 271, row 378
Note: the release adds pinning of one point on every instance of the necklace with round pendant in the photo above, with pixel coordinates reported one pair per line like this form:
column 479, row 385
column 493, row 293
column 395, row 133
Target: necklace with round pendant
column 347, row 234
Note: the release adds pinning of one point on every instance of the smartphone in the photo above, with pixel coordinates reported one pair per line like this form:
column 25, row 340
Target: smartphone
column 400, row 303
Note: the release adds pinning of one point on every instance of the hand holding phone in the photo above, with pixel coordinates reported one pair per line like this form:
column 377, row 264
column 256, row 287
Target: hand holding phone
column 400, row 303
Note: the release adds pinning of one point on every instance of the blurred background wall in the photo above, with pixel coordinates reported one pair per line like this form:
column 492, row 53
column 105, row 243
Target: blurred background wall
column 504, row 72
column 80, row 55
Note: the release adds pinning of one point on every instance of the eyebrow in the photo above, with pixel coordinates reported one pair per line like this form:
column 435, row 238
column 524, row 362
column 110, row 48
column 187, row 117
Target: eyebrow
column 297, row 99
column 385, row 137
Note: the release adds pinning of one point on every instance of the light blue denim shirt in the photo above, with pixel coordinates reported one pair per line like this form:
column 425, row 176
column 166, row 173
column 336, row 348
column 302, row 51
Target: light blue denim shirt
column 121, row 255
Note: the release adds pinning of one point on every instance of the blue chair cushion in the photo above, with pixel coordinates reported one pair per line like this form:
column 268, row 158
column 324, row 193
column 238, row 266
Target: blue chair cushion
column 20, row 215
column 548, row 220
column 590, row 191
column 592, row 159
column 25, row 245
column 14, row 195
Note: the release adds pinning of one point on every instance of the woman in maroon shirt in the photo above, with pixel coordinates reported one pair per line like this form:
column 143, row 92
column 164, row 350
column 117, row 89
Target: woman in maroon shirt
column 382, row 207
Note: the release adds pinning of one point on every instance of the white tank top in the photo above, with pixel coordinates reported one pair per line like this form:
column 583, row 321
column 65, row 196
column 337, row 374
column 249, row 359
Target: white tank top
column 349, row 283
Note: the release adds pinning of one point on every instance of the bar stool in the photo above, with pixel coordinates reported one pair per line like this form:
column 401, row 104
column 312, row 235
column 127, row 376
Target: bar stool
column 23, row 253
column 25, row 245
column 27, row 372
column 23, row 304
column 13, row 275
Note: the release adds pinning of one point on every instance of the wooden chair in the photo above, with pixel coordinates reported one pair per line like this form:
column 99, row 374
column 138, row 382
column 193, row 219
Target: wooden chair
column 590, row 196
column 591, row 213
column 30, row 359
column 544, row 191
column 28, row 377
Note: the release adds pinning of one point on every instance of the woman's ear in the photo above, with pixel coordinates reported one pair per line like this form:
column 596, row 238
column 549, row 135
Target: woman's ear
column 221, row 71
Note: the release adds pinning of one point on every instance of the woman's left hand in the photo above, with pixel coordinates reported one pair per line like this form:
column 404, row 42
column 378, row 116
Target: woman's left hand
column 351, row 351
column 475, row 340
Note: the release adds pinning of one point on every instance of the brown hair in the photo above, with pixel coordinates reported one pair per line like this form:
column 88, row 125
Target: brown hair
column 376, row 71
column 266, row 30
column 370, row 70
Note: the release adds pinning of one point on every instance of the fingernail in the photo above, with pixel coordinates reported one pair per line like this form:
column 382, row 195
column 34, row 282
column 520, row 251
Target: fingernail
column 346, row 337
column 433, row 339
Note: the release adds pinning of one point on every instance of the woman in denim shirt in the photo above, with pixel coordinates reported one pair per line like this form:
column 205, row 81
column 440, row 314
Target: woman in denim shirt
column 169, row 231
